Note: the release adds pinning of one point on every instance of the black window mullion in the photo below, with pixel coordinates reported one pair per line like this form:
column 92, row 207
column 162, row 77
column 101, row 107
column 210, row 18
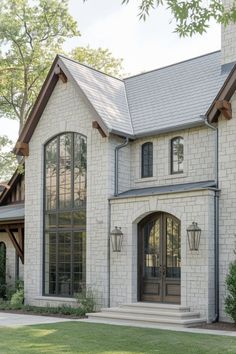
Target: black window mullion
column 72, row 168
column 147, row 160
column 57, row 275
column 72, row 264
column 55, row 227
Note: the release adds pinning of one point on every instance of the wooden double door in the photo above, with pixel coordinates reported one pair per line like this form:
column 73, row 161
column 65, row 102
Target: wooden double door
column 159, row 258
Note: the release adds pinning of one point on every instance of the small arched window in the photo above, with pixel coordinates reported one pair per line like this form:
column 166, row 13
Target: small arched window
column 147, row 160
column 2, row 269
column 177, row 155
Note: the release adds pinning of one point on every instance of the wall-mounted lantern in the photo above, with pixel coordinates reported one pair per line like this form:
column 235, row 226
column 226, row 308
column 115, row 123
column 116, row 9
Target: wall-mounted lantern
column 194, row 235
column 116, row 239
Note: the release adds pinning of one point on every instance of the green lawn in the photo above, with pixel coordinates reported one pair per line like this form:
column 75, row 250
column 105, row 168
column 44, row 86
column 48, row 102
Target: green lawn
column 72, row 337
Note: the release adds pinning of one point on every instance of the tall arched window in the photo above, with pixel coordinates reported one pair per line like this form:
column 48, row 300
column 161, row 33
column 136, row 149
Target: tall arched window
column 177, row 155
column 65, row 215
column 147, row 160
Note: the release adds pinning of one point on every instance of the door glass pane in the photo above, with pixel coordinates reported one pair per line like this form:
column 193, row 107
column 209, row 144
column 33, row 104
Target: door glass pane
column 173, row 261
column 152, row 249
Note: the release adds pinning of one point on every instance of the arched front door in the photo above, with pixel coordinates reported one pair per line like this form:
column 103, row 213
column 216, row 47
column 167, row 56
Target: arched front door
column 159, row 262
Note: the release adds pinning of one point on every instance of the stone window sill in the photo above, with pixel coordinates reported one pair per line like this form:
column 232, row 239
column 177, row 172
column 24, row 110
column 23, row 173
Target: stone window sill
column 174, row 176
column 55, row 298
column 145, row 179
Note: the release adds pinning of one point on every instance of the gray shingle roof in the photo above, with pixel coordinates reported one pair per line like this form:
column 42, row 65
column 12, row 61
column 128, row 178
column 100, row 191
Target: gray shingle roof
column 165, row 99
column 106, row 93
column 175, row 188
column 12, row 212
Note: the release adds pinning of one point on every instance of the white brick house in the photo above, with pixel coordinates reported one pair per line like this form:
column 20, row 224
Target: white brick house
column 150, row 154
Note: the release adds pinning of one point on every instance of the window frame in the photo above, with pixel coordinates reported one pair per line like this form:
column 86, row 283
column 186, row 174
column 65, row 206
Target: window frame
column 72, row 229
column 172, row 171
column 148, row 163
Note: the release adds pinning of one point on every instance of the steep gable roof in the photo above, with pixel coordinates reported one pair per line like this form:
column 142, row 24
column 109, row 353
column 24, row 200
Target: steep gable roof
column 106, row 94
column 166, row 99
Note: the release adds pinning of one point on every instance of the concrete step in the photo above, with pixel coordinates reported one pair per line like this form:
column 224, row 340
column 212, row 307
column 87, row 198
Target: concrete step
column 106, row 317
column 156, row 306
column 136, row 311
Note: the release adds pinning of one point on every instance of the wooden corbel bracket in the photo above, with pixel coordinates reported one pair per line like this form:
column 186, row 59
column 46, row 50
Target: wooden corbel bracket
column 22, row 149
column 62, row 76
column 95, row 125
column 225, row 108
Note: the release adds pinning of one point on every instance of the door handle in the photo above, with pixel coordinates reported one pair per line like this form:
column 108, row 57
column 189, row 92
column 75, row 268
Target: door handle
column 164, row 271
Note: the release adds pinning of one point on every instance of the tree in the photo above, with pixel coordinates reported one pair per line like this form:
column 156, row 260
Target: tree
column 191, row 17
column 31, row 33
column 100, row 59
column 230, row 300
column 8, row 162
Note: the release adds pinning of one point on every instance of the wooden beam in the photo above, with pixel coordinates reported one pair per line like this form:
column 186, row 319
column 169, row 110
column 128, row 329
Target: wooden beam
column 62, row 76
column 225, row 108
column 225, row 93
column 18, row 249
column 22, row 148
column 95, row 125
column 5, row 185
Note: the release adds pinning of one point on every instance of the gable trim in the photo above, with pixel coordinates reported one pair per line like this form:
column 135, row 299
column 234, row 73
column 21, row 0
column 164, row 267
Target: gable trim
column 225, row 94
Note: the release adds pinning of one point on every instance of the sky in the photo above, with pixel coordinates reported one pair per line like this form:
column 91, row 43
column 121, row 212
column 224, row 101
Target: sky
column 142, row 45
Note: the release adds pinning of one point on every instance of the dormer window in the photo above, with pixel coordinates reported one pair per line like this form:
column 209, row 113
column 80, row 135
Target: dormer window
column 147, row 160
column 177, row 155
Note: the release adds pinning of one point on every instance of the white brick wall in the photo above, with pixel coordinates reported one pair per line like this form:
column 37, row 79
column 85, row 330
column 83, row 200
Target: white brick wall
column 227, row 175
column 67, row 111
column 197, row 275
column 198, row 158
column 228, row 39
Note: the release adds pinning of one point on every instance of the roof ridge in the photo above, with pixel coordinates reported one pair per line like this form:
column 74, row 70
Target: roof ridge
column 89, row 67
column 167, row 66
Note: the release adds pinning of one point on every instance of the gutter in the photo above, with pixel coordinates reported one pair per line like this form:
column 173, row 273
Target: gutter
column 117, row 148
column 216, row 219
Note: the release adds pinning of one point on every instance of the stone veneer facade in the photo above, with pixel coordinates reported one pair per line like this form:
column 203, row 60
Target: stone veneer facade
column 228, row 39
column 67, row 110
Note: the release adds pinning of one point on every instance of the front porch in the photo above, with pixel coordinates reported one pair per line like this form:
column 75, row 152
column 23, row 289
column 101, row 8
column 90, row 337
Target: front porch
column 148, row 314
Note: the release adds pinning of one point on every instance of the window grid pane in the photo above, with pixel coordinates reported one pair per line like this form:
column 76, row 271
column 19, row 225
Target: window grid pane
column 177, row 155
column 147, row 160
column 65, row 215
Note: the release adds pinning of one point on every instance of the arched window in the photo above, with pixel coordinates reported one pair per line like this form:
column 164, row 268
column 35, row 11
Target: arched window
column 147, row 160
column 177, row 155
column 2, row 270
column 65, row 215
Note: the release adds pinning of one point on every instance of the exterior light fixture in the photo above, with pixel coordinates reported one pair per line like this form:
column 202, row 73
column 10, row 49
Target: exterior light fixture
column 116, row 239
column 194, row 235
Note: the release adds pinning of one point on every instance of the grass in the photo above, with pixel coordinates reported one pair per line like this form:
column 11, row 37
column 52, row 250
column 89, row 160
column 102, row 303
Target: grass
column 89, row 338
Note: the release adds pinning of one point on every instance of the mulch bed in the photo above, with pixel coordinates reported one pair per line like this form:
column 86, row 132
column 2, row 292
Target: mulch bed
column 23, row 312
column 219, row 326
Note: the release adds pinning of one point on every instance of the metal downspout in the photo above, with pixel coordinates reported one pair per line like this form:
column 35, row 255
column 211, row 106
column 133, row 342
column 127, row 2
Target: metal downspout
column 216, row 220
column 117, row 148
column 109, row 257
column 116, row 187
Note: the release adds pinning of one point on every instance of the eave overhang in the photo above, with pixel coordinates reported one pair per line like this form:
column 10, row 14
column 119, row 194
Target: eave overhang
column 220, row 103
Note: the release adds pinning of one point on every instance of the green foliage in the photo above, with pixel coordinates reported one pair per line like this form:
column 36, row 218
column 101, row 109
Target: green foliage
column 31, row 33
column 191, row 16
column 86, row 299
column 100, row 59
column 230, row 300
column 17, row 298
column 8, row 161
column 65, row 310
